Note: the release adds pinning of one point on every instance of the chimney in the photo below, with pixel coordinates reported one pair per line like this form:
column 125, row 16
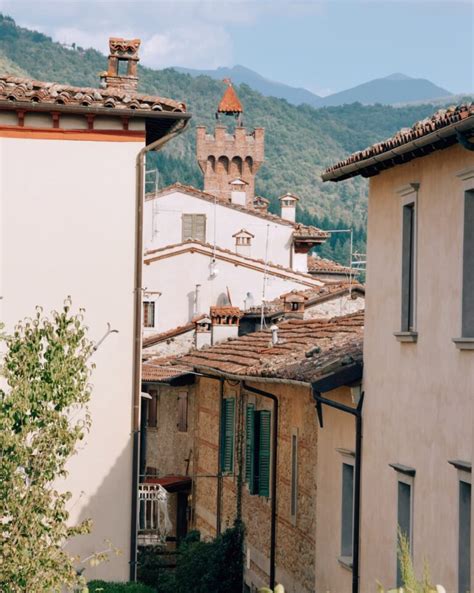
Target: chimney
column 288, row 206
column 121, row 74
column 274, row 330
column 225, row 323
column 203, row 333
column 243, row 242
column 238, row 192
column 261, row 204
column 294, row 304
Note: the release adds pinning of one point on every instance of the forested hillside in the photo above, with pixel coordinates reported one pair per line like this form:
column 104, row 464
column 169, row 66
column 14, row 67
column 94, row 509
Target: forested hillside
column 300, row 140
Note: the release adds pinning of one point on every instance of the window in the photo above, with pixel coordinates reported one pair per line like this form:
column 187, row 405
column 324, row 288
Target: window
column 257, row 450
column 468, row 267
column 227, row 435
column 347, row 510
column 194, row 227
column 294, row 476
column 149, row 314
column 408, row 267
column 464, row 554
column 404, row 519
column 183, row 411
column 152, row 409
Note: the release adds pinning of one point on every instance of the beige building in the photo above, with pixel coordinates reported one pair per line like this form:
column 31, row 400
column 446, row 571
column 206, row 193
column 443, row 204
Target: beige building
column 418, row 440
column 254, row 450
column 68, row 161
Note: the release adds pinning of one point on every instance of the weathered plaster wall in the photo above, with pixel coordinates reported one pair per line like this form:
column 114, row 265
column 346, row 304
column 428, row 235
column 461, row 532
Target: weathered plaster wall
column 335, row 307
column 418, row 396
column 58, row 238
column 173, row 346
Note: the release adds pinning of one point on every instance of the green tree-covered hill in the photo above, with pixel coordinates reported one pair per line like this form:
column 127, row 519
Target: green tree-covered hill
column 300, row 140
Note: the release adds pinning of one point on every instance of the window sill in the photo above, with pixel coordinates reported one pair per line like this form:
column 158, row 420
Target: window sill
column 464, row 343
column 345, row 562
column 406, row 336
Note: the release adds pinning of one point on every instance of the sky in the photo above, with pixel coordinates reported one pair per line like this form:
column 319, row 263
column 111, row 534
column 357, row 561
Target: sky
column 322, row 45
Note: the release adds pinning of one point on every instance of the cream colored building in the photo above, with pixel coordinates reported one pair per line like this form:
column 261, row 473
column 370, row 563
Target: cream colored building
column 418, row 440
column 68, row 227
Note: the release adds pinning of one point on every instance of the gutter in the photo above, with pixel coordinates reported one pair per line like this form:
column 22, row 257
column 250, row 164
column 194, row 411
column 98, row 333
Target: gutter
column 273, row 498
column 319, row 387
column 177, row 129
column 353, row 168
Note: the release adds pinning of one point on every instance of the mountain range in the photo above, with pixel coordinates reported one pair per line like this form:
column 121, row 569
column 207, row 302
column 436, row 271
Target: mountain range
column 394, row 89
column 300, row 141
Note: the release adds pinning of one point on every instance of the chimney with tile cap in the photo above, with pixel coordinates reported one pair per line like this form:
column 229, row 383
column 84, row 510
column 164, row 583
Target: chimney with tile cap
column 288, row 206
column 123, row 54
column 225, row 323
column 238, row 191
column 294, row 304
column 203, row 333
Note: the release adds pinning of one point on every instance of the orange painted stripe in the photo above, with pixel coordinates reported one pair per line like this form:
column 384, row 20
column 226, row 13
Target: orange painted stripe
column 62, row 134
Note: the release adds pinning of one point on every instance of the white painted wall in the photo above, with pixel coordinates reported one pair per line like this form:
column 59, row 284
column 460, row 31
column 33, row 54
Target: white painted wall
column 67, row 228
column 163, row 226
column 176, row 278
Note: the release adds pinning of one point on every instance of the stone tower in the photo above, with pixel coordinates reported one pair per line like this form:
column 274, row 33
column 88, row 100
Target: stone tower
column 225, row 158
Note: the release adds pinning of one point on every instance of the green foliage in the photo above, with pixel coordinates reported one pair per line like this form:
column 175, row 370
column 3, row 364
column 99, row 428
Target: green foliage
column 43, row 416
column 105, row 587
column 411, row 584
column 202, row 567
column 300, row 141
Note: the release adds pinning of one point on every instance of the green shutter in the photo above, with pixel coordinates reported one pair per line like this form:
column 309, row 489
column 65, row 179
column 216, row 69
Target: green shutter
column 227, row 435
column 250, row 447
column 264, row 454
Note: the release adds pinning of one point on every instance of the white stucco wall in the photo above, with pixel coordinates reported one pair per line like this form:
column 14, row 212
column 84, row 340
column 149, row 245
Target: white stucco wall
column 67, row 228
column 163, row 227
column 176, row 278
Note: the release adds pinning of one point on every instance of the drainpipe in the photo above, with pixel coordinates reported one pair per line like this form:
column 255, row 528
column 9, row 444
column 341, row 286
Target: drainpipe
column 178, row 128
column 274, row 477
column 357, row 413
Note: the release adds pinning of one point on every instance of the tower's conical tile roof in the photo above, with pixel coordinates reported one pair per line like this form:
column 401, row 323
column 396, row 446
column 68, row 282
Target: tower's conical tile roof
column 230, row 103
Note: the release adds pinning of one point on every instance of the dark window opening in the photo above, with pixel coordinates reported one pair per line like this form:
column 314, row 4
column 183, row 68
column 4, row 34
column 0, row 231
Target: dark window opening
column 152, row 415
column 468, row 267
column 183, row 411
column 404, row 520
column 408, row 268
column 149, row 314
column 464, row 544
column 347, row 510
column 294, row 475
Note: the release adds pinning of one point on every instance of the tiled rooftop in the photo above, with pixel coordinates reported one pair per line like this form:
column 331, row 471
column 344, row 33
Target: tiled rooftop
column 321, row 265
column 230, row 103
column 24, row 91
column 304, row 350
column 388, row 148
column 160, row 370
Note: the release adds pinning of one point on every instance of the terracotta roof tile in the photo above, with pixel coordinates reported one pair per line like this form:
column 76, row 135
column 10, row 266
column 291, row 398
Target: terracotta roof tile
column 160, row 370
column 153, row 339
column 321, row 265
column 439, row 120
column 230, row 103
column 24, row 91
column 304, row 349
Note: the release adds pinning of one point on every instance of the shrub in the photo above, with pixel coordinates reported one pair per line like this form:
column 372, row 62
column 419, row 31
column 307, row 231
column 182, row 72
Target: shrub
column 104, row 587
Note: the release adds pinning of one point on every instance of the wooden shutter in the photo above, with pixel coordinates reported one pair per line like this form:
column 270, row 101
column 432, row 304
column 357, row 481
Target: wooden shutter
column 264, row 453
column 200, row 227
column 183, row 411
column 227, row 435
column 250, row 447
column 187, row 226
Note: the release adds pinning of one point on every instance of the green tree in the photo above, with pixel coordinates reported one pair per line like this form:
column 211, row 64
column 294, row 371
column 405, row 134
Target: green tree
column 43, row 416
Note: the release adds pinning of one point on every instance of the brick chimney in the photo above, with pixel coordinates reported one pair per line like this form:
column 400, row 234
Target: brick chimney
column 225, row 323
column 288, row 206
column 203, row 333
column 294, row 304
column 261, row 204
column 123, row 61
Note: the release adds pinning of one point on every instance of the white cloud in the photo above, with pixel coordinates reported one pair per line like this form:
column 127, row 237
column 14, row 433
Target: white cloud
column 198, row 45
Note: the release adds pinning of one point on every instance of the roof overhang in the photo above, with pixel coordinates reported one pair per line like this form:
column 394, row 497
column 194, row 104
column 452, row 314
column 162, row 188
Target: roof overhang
column 347, row 375
column 437, row 140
